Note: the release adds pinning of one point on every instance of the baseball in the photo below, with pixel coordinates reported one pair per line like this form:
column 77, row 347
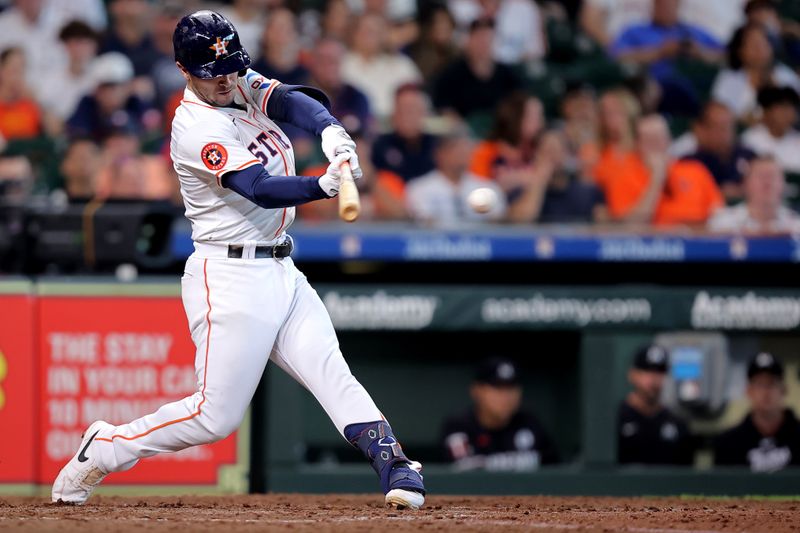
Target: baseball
column 482, row 199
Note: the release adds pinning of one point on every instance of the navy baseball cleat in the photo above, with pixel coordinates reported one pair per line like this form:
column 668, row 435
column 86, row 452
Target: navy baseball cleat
column 400, row 477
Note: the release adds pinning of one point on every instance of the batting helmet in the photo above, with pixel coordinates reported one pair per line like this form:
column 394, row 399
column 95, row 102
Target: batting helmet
column 207, row 45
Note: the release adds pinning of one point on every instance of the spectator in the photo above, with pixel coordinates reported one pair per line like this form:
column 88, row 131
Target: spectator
column 383, row 195
column 348, row 104
column 24, row 26
column 720, row 18
column 58, row 13
column 495, row 433
column 619, row 112
column 280, row 49
column 337, row 20
column 475, row 83
column 659, row 45
column 768, row 439
column 579, row 123
column 165, row 75
column 248, row 17
column 373, row 70
column 401, row 18
column 762, row 210
column 407, row 150
column 647, row 432
column 751, row 67
column 551, row 193
column 79, row 169
column 127, row 174
column 507, row 155
column 62, row 88
column 112, row 104
column 776, row 135
column 719, row 150
column 435, row 48
column 20, row 116
column 651, row 188
column 439, row 198
column 784, row 35
column 129, row 34
column 519, row 35
column 604, row 20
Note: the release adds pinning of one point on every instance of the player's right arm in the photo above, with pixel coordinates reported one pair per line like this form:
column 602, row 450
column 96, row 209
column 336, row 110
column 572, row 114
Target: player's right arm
column 213, row 153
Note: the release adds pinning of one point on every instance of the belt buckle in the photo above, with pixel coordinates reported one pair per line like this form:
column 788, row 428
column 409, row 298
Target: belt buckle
column 275, row 251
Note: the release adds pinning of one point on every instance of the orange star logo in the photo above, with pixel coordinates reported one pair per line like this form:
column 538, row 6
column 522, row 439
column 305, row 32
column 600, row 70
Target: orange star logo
column 221, row 46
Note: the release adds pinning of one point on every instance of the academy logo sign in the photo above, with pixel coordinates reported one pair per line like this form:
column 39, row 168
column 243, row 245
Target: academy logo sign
column 381, row 311
column 748, row 311
column 573, row 311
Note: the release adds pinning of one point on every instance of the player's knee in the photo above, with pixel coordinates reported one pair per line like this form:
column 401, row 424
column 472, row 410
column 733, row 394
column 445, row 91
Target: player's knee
column 219, row 425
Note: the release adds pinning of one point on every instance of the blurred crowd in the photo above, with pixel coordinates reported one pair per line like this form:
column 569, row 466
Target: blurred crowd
column 670, row 113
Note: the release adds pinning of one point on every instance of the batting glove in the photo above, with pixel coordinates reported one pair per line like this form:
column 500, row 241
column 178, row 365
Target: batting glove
column 335, row 140
column 329, row 182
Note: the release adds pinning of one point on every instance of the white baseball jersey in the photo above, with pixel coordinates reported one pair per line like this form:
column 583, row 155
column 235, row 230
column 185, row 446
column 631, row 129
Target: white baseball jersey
column 210, row 141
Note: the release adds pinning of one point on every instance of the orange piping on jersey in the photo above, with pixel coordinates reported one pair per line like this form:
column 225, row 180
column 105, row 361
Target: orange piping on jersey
column 242, row 93
column 205, row 373
column 266, row 96
column 283, row 221
column 240, row 167
column 198, row 103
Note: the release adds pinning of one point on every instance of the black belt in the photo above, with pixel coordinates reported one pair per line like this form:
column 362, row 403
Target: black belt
column 279, row 251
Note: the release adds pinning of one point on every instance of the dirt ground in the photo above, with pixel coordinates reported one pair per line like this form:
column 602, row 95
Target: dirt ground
column 301, row 513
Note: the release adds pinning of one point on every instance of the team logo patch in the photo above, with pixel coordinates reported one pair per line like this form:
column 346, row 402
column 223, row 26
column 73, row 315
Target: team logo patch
column 221, row 46
column 214, row 156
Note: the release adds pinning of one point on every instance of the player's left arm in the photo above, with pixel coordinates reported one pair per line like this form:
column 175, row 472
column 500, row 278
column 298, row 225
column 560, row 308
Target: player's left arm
column 304, row 107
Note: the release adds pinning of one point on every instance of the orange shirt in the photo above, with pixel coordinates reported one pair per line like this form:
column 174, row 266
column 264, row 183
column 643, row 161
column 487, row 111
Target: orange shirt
column 484, row 158
column 20, row 119
column 690, row 192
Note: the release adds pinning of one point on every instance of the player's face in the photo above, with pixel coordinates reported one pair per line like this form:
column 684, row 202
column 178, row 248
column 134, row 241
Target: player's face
column 218, row 92
column 498, row 403
column 647, row 384
column 765, row 392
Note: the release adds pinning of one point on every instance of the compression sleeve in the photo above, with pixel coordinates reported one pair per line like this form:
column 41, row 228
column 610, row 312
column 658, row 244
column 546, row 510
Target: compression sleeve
column 304, row 107
column 272, row 192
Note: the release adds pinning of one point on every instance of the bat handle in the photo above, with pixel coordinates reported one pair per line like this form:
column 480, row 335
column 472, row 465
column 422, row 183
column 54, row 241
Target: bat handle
column 349, row 203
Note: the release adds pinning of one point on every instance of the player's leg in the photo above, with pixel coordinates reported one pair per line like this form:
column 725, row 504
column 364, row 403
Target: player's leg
column 308, row 350
column 232, row 328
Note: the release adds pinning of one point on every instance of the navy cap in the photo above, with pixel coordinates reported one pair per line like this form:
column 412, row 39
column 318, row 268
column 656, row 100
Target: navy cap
column 764, row 362
column 498, row 371
column 653, row 358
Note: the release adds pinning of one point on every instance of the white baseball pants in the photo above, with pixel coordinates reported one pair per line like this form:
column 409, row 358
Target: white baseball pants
column 241, row 313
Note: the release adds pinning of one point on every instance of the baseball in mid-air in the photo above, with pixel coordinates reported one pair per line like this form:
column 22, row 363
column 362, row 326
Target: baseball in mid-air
column 482, row 199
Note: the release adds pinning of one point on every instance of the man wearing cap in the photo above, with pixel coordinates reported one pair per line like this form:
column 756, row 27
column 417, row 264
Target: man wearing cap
column 495, row 434
column 647, row 432
column 768, row 439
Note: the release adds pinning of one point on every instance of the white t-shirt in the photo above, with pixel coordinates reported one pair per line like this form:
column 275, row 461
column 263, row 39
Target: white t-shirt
column 623, row 13
column 737, row 219
column 60, row 91
column 379, row 78
column 720, row 18
column 518, row 28
column 434, row 199
column 43, row 52
column 210, row 141
column 733, row 88
column 786, row 150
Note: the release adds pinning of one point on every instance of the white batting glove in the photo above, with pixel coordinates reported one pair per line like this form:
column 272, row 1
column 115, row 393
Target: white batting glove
column 329, row 182
column 335, row 140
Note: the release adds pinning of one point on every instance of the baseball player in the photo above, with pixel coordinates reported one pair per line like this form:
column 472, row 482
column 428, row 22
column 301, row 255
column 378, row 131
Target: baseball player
column 245, row 300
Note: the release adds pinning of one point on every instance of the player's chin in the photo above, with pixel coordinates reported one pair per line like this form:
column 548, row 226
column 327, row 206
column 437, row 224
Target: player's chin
column 224, row 98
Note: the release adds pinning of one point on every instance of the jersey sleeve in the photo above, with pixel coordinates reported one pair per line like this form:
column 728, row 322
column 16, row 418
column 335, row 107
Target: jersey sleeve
column 256, row 89
column 209, row 150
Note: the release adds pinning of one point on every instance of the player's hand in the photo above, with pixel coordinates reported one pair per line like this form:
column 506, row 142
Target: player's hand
column 335, row 140
column 329, row 182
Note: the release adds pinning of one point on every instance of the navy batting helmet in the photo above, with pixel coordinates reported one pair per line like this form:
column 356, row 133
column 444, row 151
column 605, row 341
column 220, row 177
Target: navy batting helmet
column 207, row 45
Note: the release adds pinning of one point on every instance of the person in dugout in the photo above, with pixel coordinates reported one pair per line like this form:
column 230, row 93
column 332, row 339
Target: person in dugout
column 768, row 438
column 495, row 434
column 647, row 432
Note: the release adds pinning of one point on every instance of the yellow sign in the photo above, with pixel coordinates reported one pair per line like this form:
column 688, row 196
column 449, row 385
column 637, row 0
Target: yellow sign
column 3, row 374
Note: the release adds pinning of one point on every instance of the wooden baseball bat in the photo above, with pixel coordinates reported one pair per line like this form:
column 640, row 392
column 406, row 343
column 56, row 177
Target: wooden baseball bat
column 349, row 203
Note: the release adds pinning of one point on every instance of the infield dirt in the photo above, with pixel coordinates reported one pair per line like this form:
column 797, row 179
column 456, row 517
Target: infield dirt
column 321, row 513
